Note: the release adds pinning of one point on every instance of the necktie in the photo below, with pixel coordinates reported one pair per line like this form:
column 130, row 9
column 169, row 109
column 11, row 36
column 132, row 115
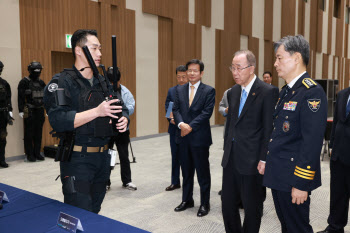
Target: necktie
column 242, row 102
column 284, row 94
column 192, row 94
column 347, row 109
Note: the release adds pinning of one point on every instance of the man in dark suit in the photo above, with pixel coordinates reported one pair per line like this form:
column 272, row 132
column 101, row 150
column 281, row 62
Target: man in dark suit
column 340, row 165
column 293, row 156
column 194, row 104
column 248, row 129
column 182, row 79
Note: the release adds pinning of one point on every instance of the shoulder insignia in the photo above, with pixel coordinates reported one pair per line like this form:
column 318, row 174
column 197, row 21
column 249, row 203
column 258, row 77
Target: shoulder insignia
column 308, row 82
column 314, row 104
column 304, row 173
column 52, row 87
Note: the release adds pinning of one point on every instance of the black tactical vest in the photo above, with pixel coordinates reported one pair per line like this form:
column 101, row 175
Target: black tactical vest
column 35, row 94
column 90, row 98
column 3, row 95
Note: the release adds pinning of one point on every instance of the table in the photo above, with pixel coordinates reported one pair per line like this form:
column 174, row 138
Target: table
column 30, row 212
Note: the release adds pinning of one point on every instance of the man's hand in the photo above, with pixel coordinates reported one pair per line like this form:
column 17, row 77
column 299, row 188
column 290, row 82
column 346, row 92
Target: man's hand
column 185, row 129
column 226, row 110
column 172, row 121
column 261, row 167
column 122, row 124
column 330, row 152
column 107, row 109
column 298, row 196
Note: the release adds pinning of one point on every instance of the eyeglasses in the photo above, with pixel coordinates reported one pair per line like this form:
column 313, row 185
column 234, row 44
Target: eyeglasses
column 190, row 71
column 233, row 69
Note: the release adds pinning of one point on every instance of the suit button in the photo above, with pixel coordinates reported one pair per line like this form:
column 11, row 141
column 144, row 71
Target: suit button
column 268, row 152
column 286, row 117
column 274, row 128
column 276, row 117
column 271, row 140
column 292, row 159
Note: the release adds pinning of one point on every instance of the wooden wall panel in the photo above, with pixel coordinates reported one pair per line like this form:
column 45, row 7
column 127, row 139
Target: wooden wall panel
column 339, row 37
column 340, row 73
column 167, row 76
column 319, row 31
column 347, row 73
column 247, row 17
column 60, row 17
column 346, row 41
column 232, row 15
column 313, row 25
column 203, row 12
column 325, row 61
column 301, row 17
column 330, row 26
column 288, row 17
column 333, row 71
column 268, row 20
column 253, row 45
column 226, row 44
column 167, row 8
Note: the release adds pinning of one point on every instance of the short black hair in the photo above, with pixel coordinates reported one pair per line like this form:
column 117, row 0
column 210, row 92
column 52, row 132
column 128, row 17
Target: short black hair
column 196, row 61
column 267, row 72
column 293, row 44
column 181, row 68
column 79, row 38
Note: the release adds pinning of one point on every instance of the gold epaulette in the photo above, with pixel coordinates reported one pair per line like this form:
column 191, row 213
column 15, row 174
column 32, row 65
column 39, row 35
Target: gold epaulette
column 308, row 82
column 303, row 173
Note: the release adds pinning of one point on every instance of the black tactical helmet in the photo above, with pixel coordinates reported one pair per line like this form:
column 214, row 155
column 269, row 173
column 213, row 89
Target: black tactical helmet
column 35, row 67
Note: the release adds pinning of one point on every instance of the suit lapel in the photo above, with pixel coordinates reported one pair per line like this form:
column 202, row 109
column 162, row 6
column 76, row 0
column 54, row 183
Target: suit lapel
column 198, row 94
column 253, row 93
column 235, row 99
column 344, row 103
column 187, row 98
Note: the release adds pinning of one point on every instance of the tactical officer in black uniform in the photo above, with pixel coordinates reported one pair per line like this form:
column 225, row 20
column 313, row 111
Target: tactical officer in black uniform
column 81, row 108
column 31, row 108
column 5, row 115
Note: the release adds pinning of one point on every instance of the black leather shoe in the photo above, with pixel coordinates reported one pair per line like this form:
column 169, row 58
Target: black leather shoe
column 203, row 210
column 184, row 205
column 31, row 158
column 40, row 157
column 220, row 192
column 3, row 164
column 173, row 187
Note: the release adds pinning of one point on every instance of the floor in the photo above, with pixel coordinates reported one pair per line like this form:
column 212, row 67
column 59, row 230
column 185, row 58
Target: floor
column 151, row 207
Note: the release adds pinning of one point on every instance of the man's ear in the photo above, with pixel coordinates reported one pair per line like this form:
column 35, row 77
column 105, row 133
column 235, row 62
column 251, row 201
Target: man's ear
column 78, row 51
column 298, row 58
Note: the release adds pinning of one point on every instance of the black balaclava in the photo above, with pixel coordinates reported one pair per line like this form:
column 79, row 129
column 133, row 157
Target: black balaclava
column 34, row 69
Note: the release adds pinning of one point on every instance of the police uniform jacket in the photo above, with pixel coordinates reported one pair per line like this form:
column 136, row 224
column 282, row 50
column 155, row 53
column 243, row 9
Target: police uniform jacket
column 61, row 117
column 5, row 87
column 293, row 157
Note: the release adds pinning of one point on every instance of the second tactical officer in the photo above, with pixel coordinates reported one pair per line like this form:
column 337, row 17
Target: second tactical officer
column 293, row 158
column 31, row 109
column 82, row 109
column 5, row 115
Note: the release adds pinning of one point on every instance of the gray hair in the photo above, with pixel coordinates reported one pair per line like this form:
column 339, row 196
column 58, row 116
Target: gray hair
column 293, row 44
column 249, row 55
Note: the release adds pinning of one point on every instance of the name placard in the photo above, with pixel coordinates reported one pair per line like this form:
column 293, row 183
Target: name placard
column 69, row 223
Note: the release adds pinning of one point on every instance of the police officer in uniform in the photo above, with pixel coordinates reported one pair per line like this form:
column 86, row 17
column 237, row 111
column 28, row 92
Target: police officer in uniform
column 5, row 115
column 293, row 158
column 31, row 109
column 83, row 110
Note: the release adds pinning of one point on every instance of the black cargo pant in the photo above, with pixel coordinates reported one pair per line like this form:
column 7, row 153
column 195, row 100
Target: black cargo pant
column 33, row 127
column 3, row 134
column 122, row 141
column 84, row 179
